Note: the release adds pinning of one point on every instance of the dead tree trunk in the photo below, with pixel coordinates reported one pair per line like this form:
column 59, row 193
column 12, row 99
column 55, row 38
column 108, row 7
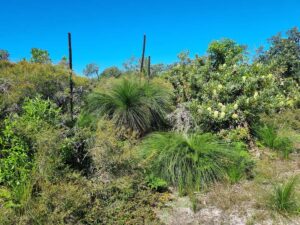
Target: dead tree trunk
column 149, row 67
column 143, row 54
column 71, row 73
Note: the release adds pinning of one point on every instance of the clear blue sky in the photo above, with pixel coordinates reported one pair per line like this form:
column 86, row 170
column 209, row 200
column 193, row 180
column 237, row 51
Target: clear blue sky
column 108, row 32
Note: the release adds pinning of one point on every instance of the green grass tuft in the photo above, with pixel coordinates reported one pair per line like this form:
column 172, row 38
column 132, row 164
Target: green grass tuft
column 284, row 199
column 133, row 104
column 192, row 162
column 270, row 138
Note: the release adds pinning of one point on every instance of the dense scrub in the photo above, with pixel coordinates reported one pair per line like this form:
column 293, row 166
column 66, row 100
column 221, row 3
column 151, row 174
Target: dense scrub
column 135, row 139
column 23, row 79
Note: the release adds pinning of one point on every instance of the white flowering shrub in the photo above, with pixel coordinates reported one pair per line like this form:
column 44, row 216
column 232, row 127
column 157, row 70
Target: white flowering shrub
column 234, row 93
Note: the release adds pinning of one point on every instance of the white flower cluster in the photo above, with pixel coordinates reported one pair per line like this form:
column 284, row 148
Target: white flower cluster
column 221, row 113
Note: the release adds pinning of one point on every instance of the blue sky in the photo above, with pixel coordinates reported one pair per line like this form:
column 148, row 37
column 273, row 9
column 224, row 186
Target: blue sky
column 108, row 32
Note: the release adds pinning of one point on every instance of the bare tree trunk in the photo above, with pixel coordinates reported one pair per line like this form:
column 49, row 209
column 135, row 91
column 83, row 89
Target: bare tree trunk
column 149, row 67
column 143, row 54
column 71, row 80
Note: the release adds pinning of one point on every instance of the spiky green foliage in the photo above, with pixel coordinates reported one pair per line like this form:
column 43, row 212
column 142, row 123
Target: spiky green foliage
column 190, row 162
column 235, row 173
column 269, row 137
column 284, row 197
column 133, row 104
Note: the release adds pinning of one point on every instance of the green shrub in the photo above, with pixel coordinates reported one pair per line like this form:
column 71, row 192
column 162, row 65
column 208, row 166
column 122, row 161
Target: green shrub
column 133, row 104
column 74, row 149
column 269, row 137
column 27, row 141
column 284, row 145
column 37, row 109
column 235, row 173
column 6, row 199
column 242, row 168
column 190, row 162
column 110, row 153
column 287, row 119
column 123, row 201
column 73, row 199
column 156, row 183
column 236, row 134
column 267, row 134
column 25, row 79
column 65, row 202
column 21, row 196
column 223, row 91
column 284, row 197
column 15, row 161
column 86, row 120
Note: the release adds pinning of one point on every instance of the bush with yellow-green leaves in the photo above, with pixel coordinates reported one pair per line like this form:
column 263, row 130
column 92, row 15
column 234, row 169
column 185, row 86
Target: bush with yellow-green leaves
column 24, row 79
column 232, row 92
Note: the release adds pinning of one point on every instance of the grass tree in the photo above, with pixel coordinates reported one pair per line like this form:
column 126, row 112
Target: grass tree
column 191, row 162
column 131, row 104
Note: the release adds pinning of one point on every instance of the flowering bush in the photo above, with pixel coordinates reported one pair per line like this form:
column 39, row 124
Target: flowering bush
column 232, row 94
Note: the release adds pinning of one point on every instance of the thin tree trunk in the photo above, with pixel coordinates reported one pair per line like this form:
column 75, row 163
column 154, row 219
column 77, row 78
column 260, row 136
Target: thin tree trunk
column 71, row 79
column 149, row 67
column 143, row 54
